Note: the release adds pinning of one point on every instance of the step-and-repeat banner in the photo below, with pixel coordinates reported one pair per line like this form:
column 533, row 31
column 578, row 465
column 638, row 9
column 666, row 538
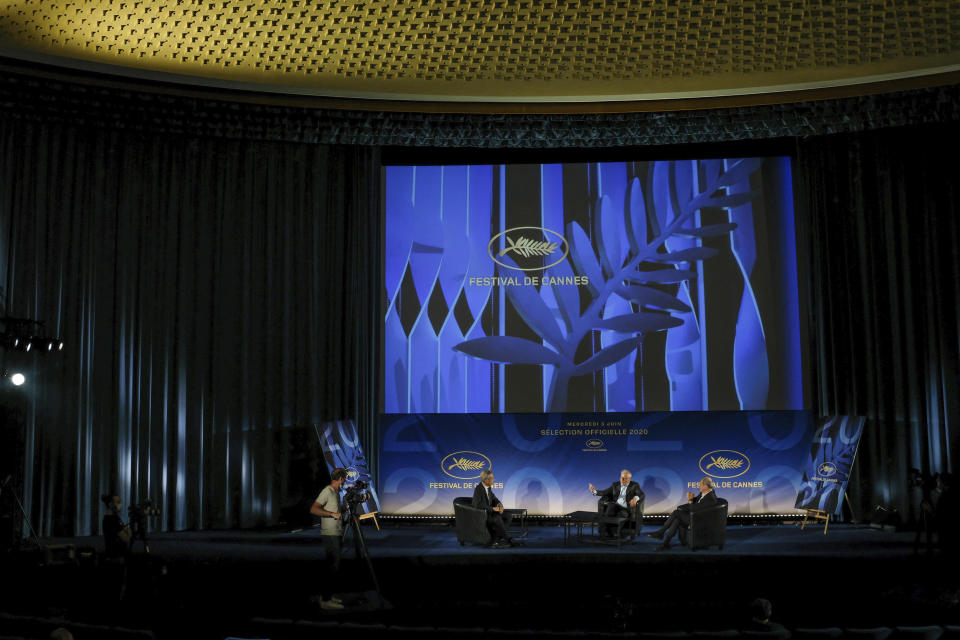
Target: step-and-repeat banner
column 545, row 462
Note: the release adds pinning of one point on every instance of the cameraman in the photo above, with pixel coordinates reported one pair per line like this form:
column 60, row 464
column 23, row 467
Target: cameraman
column 929, row 493
column 117, row 545
column 327, row 507
column 116, row 535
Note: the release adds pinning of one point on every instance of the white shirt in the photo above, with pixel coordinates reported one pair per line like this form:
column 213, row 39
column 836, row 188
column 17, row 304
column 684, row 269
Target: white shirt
column 329, row 500
column 622, row 500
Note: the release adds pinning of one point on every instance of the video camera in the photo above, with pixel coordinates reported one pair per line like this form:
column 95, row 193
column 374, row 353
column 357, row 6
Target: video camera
column 139, row 513
column 138, row 516
column 921, row 480
column 356, row 493
column 136, row 512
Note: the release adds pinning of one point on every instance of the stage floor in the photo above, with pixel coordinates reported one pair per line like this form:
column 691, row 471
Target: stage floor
column 438, row 544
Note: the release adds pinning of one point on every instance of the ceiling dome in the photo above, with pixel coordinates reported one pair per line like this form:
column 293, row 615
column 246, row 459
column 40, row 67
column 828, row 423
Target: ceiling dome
column 495, row 51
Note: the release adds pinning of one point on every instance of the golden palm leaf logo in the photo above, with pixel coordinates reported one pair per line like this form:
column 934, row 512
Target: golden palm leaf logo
column 466, row 465
column 529, row 242
column 527, row 247
column 827, row 469
column 724, row 463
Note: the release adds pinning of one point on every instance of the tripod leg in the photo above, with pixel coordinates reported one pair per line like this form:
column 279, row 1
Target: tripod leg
column 23, row 512
column 853, row 516
column 362, row 548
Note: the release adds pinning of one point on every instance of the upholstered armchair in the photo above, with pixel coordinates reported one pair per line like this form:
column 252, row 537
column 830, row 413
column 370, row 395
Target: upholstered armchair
column 708, row 527
column 634, row 520
column 471, row 523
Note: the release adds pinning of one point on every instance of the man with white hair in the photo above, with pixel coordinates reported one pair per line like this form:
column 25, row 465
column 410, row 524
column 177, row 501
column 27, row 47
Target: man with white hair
column 620, row 498
column 497, row 520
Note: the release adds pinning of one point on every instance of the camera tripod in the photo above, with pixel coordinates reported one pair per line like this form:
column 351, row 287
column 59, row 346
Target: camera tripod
column 23, row 512
column 138, row 531
column 359, row 543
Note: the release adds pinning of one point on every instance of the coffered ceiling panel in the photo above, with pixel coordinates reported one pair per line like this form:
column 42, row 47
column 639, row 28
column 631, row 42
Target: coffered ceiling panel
column 495, row 50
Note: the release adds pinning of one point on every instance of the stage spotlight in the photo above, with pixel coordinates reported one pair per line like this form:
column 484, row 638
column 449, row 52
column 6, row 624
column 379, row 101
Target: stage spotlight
column 24, row 334
column 18, row 379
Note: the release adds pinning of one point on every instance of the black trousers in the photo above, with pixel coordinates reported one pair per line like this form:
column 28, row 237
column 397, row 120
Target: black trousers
column 613, row 510
column 332, row 547
column 679, row 518
column 497, row 525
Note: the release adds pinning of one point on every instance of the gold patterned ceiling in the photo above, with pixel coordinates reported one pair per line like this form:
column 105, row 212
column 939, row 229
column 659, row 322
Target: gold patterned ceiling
column 494, row 50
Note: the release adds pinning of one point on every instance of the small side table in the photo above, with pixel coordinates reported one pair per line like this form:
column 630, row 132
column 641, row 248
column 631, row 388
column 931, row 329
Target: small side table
column 522, row 514
column 578, row 519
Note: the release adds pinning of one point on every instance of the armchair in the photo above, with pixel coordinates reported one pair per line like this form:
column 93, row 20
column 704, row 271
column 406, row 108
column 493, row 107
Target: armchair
column 634, row 520
column 708, row 527
column 471, row 523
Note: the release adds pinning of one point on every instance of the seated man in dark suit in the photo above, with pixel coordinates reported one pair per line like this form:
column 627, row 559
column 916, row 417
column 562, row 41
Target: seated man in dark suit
column 497, row 521
column 621, row 497
column 681, row 515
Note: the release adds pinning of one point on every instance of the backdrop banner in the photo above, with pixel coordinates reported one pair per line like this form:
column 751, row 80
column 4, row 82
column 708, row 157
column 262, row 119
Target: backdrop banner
column 827, row 471
column 545, row 462
column 341, row 448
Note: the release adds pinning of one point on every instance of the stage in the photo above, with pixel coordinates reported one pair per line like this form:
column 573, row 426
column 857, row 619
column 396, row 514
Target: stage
column 854, row 576
column 437, row 545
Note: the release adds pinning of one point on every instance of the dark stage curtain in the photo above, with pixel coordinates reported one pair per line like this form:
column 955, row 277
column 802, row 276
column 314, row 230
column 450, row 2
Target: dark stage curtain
column 217, row 299
column 884, row 222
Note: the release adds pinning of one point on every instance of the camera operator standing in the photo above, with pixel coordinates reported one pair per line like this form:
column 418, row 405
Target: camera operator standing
column 327, row 506
column 117, row 545
column 929, row 495
column 116, row 535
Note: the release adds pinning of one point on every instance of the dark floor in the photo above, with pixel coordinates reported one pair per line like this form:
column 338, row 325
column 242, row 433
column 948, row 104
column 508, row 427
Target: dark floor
column 852, row 576
column 438, row 544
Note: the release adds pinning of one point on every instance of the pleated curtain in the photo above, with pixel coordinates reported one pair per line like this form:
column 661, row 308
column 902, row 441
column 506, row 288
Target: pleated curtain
column 212, row 295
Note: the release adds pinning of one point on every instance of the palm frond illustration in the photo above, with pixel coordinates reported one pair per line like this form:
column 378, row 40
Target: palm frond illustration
column 609, row 275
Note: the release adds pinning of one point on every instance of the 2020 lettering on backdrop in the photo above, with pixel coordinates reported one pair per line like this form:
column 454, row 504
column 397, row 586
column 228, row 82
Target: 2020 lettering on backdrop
column 544, row 462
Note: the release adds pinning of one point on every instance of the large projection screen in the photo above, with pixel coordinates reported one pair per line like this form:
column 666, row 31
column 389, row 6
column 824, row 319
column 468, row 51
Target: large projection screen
column 592, row 287
column 558, row 322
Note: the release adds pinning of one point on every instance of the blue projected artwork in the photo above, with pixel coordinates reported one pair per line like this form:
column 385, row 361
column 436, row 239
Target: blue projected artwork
column 600, row 287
